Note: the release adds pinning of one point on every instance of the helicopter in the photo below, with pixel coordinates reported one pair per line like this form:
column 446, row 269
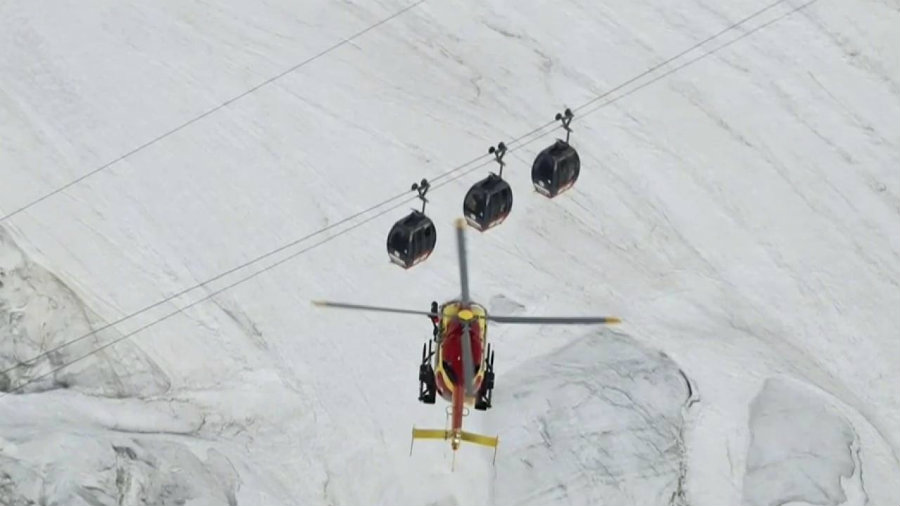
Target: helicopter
column 458, row 363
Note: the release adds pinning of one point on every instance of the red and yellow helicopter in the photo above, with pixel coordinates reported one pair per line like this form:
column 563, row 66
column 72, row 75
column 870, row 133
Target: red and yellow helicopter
column 462, row 370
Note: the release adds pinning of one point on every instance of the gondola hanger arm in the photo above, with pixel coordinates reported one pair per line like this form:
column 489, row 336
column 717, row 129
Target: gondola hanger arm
column 422, row 188
column 566, row 118
column 498, row 153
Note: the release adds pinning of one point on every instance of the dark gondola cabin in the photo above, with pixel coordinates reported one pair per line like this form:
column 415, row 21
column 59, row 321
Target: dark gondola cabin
column 555, row 169
column 488, row 203
column 411, row 240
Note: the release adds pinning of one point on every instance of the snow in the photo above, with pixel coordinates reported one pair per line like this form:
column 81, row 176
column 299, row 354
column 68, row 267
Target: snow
column 38, row 313
column 740, row 215
column 799, row 449
column 109, row 452
column 601, row 422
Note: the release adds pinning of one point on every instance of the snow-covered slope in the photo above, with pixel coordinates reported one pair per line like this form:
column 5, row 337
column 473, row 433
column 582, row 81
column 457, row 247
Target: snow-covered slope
column 39, row 314
column 800, row 449
column 740, row 214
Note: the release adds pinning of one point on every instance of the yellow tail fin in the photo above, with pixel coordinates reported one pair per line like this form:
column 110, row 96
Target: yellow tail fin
column 480, row 439
column 448, row 435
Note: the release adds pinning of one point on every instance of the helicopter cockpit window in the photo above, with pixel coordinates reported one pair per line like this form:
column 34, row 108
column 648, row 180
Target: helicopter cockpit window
column 450, row 372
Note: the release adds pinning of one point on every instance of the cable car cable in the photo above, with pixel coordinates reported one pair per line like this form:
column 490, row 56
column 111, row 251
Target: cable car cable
column 332, row 48
column 695, row 46
column 198, row 301
column 702, row 56
column 247, row 264
column 211, row 294
column 201, row 284
column 170, row 298
column 445, row 174
column 659, row 65
column 209, row 112
column 354, row 226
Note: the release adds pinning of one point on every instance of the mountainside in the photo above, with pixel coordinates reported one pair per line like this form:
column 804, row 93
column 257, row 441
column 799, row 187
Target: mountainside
column 739, row 211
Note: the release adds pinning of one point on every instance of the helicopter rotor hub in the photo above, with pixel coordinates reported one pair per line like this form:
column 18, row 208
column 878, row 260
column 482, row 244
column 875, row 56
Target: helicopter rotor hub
column 466, row 315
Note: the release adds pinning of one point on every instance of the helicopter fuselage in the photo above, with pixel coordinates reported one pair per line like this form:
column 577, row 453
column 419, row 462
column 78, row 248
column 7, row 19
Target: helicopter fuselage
column 448, row 361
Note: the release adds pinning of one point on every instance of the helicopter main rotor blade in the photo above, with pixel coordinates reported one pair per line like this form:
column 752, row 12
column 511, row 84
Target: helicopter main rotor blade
column 554, row 320
column 468, row 366
column 361, row 307
column 463, row 260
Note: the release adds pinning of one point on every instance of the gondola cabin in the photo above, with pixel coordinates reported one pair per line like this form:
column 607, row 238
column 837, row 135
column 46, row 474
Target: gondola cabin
column 488, row 203
column 411, row 240
column 555, row 169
